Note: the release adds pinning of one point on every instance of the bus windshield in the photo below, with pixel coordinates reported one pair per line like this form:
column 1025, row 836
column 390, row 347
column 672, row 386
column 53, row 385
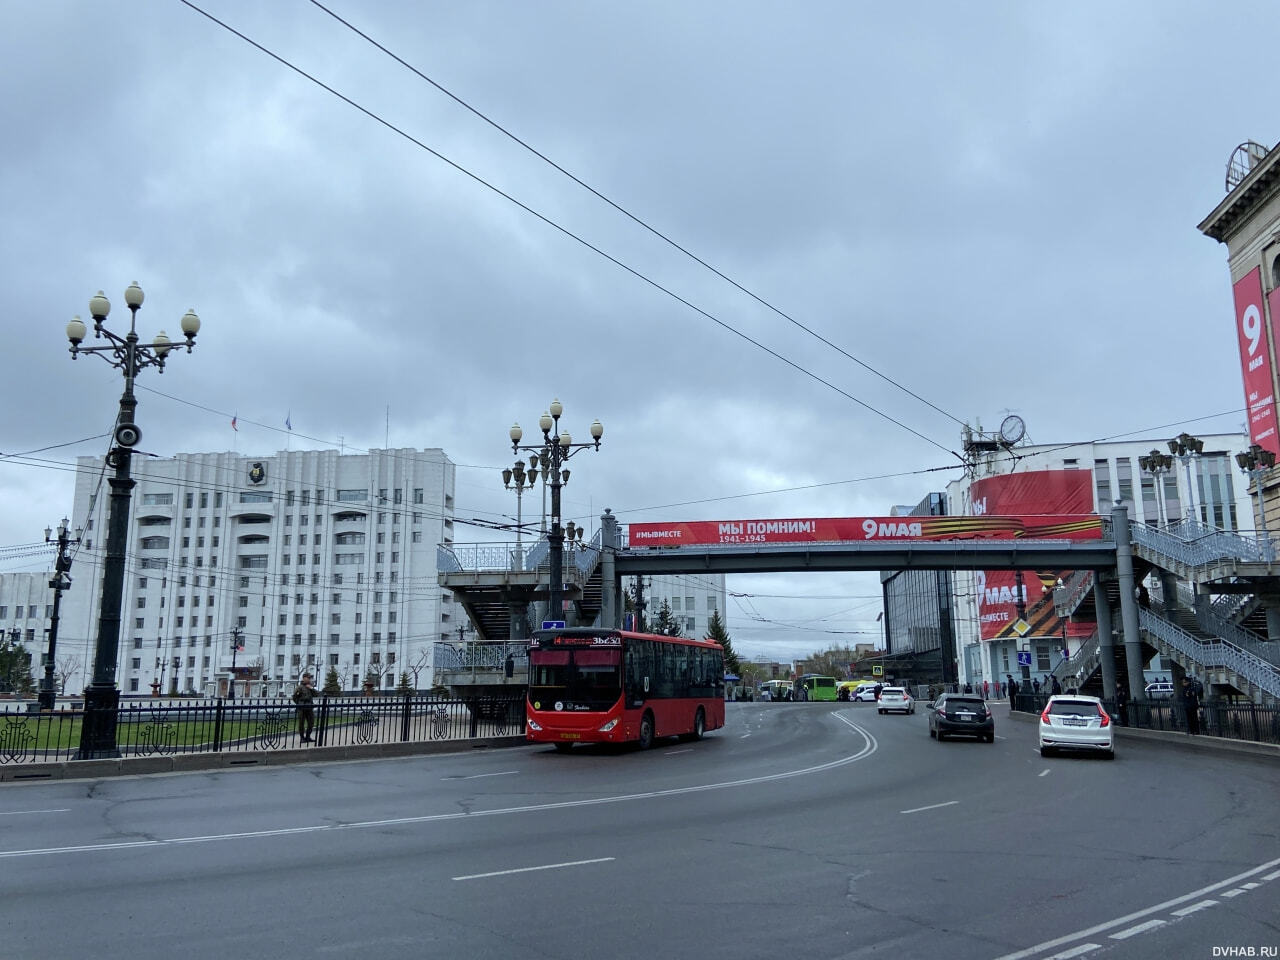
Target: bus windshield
column 575, row 679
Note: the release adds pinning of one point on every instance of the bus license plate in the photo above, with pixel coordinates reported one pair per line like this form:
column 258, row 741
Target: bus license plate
column 570, row 736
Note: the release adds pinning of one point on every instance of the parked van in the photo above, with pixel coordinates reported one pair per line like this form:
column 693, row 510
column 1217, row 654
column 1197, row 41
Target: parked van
column 811, row 686
column 776, row 690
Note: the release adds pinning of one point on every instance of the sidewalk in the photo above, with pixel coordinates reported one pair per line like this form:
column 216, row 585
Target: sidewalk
column 183, row 762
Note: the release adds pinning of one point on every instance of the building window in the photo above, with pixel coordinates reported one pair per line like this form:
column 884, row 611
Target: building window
column 157, row 499
column 352, row 495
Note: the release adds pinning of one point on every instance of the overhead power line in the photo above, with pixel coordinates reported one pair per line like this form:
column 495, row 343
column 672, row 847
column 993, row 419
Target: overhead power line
column 569, row 233
column 633, row 217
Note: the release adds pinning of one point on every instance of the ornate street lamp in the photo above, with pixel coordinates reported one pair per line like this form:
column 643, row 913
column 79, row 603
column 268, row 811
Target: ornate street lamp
column 561, row 447
column 102, row 699
column 1255, row 462
column 61, row 581
column 1158, row 464
column 1184, row 447
column 524, row 480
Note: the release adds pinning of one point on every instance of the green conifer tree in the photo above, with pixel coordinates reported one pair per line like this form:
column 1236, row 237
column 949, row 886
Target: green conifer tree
column 667, row 624
column 717, row 632
column 332, row 685
column 404, row 687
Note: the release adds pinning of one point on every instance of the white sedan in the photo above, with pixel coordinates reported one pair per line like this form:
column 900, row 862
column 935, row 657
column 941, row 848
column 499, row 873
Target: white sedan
column 896, row 699
column 865, row 694
column 1076, row 722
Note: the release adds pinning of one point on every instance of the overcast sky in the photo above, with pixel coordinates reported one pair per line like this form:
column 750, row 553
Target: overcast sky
column 991, row 206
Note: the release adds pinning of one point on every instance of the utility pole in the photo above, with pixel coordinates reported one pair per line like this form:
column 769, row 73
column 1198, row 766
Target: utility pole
column 61, row 581
column 235, row 648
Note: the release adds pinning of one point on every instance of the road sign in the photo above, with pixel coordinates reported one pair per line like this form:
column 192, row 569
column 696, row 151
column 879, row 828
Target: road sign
column 552, row 624
column 1021, row 627
column 1024, row 658
column 877, row 670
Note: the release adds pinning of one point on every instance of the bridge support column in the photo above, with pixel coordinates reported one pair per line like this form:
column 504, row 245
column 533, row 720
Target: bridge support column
column 519, row 619
column 1169, row 587
column 1106, row 639
column 610, row 586
column 1272, row 609
column 1128, row 600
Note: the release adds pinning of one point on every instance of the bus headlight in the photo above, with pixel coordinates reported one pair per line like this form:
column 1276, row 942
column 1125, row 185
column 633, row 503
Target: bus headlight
column 534, row 725
column 608, row 726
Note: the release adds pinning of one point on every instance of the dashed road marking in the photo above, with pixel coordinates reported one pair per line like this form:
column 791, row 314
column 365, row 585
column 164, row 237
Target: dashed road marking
column 1228, row 894
column 1079, row 951
column 1195, row 907
column 1134, row 931
column 932, row 806
column 546, row 866
column 1043, row 773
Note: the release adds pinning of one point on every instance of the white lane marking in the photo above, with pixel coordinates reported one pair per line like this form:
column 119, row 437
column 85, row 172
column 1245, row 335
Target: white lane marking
column 1195, row 907
column 932, row 806
column 1228, row 894
column 672, row 753
column 870, row 746
column 1139, row 914
column 477, row 776
column 1079, row 951
column 16, row 813
column 1250, row 886
column 1043, row 773
column 744, row 736
column 1140, row 928
column 548, row 866
column 1272, row 876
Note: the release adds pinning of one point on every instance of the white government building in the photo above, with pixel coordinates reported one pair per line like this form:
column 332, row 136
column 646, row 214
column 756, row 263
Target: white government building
column 314, row 558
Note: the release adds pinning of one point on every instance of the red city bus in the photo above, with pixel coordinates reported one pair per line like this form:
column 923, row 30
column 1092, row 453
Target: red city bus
column 599, row 685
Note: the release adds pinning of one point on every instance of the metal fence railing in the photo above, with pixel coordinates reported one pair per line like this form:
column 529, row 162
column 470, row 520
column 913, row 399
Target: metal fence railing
column 145, row 728
column 1217, row 718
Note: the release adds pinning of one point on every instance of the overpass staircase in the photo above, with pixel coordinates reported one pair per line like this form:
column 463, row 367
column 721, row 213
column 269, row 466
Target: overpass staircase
column 502, row 589
column 1209, row 628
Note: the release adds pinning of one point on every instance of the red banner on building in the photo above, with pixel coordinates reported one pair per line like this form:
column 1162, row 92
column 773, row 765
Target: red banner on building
column 1056, row 526
column 1255, row 358
column 1016, row 604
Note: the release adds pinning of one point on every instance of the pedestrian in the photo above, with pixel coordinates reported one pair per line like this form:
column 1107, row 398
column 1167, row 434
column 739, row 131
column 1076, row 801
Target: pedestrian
column 1013, row 689
column 986, row 689
column 1191, row 703
column 303, row 697
column 1056, row 687
column 1122, row 704
column 1035, row 685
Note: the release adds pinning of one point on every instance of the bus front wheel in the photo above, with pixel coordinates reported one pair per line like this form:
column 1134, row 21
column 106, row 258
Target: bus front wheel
column 646, row 731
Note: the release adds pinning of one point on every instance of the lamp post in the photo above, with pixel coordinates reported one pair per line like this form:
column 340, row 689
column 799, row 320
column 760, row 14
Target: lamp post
column 524, row 480
column 561, row 448
column 61, row 581
column 1158, row 464
column 1184, row 447
column 236, row 647
column 1255, row 462
column 98, row 730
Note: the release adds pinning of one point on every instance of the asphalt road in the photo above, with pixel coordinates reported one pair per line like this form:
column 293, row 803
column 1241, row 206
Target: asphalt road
column 799, row 830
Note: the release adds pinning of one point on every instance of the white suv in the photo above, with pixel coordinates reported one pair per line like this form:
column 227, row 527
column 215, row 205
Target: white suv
column 895, row 699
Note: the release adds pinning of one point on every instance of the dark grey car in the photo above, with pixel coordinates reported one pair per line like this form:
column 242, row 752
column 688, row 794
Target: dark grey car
column 961, row 714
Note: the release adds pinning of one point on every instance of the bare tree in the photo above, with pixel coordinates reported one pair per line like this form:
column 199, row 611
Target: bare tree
column 65, row 668
column 345, row 674
column 417, row 666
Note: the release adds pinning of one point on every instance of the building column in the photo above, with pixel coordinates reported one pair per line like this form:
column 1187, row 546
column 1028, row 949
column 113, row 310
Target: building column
column 518, row 617
column 1128, row 600
column 1106, row 639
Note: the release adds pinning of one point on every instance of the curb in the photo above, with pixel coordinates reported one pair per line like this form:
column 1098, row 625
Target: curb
column 229, row 760
column 1184, row 741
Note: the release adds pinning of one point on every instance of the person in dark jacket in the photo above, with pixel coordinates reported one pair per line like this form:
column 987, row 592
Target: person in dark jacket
column 303, row 697
column 1191, row 703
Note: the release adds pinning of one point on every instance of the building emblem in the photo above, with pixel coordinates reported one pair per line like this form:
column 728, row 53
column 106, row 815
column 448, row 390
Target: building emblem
column 257, row 472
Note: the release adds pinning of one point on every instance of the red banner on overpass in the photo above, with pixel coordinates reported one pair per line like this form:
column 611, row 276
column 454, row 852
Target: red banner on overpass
column 864, row 529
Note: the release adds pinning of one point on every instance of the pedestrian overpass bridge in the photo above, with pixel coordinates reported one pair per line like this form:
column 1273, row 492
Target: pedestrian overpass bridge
column 503, row 589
